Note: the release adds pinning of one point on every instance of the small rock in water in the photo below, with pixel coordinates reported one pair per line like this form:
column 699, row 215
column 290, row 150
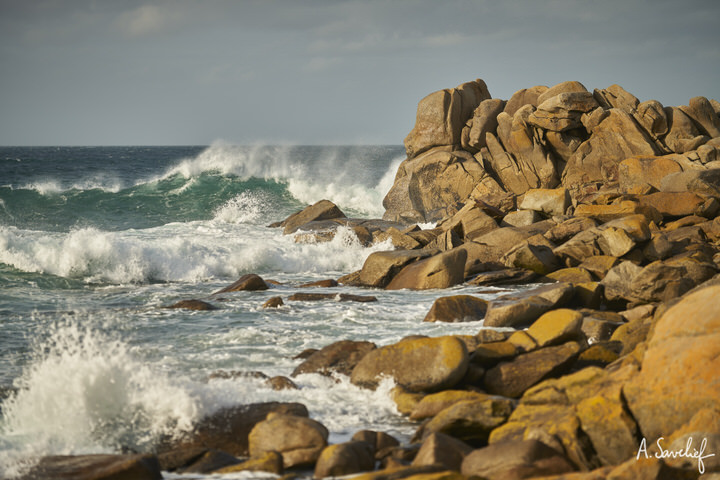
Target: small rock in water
column 193, row 305
column 273, row 302
column 321, row 283
column 249, row 282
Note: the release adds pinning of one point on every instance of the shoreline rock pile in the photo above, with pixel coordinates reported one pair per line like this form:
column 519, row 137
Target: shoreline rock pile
column 611, row 204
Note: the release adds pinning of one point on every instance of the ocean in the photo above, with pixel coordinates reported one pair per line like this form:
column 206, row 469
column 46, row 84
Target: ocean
column 95, row 241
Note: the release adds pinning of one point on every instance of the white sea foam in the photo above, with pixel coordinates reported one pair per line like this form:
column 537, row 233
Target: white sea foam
column 248, row 207
column 54, row 187
column 178, row 252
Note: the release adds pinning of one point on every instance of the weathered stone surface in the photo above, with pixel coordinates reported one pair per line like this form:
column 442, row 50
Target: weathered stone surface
column 470, row 420
column 471, row 221
column 605, row 213
column 420, row 365
column 340, row 357
column 97, row 467
column 434, row 403
column 270, row 462
column 433, row 185
column 567, row 229
column 556, row 327
column 193, row 305
column 683, row 135
column 299, row 440
column 651, row 115
column 379, row 441
column 509, row 276
column 657, row 282
column 572, row 275
column 684, row 350
column 249, row 282
column 440, row 271
column 512, row 378
column 704, row 182
column 537, row 258
column 345, row 459
column 422, row 472
column 638, row 172
column 524, row 308
column 515, row 460
column 442, row 115
column 273, row 302
column 484, row 120
column 520, row 218
column 340, row 297
column 614, row 139
column 457, row 308
column 228, row 428
column 563, row 111
column 441, row 449
column 329, row 283
column 701, row 111
column 674, row 204
column 211, row 461
column 380, row 267
column 525, row 96
column 549, row 201
column 563, row 87
column 322, row 210
column 615, row 242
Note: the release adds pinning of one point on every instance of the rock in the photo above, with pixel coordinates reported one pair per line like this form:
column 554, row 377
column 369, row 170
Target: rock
column 471, row 221
column 525, row 307
column 605, row 213
column 193, row 305
column 445, row 241
column 525, row 96
column 97, row 467
column 599, row 355
column 440, row 271
column 637, row 172
column 401, row 240
column 538, row 258
column 684, row 351
column 674, row 204
column 574, row 275
column 322, row 210
column 683, row 135
column 470, row 420
column 567, row 229
column 598, row 329
column 512, row 378
column 457, row 308
column 434, row 403
column 380, row 267
column 299, row 440
column 651, row 115
column 614, row 139
column 405, row 400
column 701, row 112
column 520, row 218
column 508, row 276
column 556, row 327
column 564, row 87
column 515, row 460
column 424, row 472
column 339, row 357
column 340, row 297
column 563, row 111
column 228, row 428
column 419, row 365
column 273, row 302
column 249, row 282
column 442, row 115
column 657, row 282
column 484, row 120
column 329, row 283
column 270, row 462
column 280, row 382
column 615, row 242
column 442, row 449
column 379, row 441
column 703, row 182
column 211, row 461
column 548, row 201
column 649, row 469
column 345, row 459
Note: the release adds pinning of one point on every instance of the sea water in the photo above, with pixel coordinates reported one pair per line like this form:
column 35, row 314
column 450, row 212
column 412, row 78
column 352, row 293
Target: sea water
column 95, row 241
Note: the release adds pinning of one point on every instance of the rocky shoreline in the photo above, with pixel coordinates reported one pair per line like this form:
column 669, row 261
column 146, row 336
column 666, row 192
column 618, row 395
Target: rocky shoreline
column 611, row 205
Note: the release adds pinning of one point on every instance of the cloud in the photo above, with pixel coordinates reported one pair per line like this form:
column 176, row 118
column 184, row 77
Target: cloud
column 149, row 19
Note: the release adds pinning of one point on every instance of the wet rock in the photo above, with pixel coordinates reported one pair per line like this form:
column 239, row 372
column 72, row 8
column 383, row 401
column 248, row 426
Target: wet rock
column 512, row 378
column 249, row 282
column 299, row 440
column 322, row 210
column 380, row 267
column 280, row 382
column 420, row 365
column 441, row 449
column 469, row 420
column 273, row 302
column 211, row 461
column 684, row 350
column 340, row 297
column 440, row 271
column 270, row 462
column 340, row 357
column 329, row 283
column 97, row 467
column 525, row 307
column 457, row 308
column 193, row 305
column 516, row 460
column 345, row 459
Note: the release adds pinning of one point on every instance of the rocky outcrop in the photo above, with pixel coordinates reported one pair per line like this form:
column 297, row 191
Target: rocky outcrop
column 299, row 440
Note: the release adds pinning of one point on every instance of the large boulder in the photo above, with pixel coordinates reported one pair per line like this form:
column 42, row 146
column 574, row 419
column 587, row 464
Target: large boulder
column 523, row 308
column 380, row 267
column 563, row 111
column 683, row 135
column 702, row 113
column 548, row 201
column 457, row 308
column 636, row 173
column 340, row 357
column 97, row 467
column 678, row 374
column 442, row 115
column 525, row 96
column 484, row 120
column 439, row 271
column 299, row 440
column 322, row 210
column 433, row 185
column 515, row 460
column 345, row 459
column 416, row 364
column 470, row 420
column 442, row 449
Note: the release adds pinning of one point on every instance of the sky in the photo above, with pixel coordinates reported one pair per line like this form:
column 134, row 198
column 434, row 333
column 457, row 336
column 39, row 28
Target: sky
column 184, row 72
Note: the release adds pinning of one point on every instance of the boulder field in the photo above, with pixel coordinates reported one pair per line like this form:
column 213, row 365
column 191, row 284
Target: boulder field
column 606, row 369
